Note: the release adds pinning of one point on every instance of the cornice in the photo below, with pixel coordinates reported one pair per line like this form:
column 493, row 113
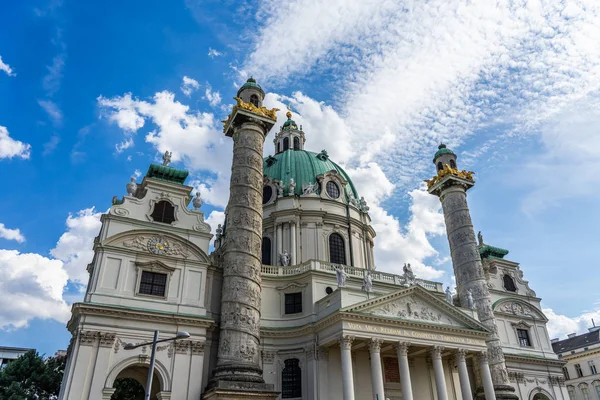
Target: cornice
column 585, row 353
column 533, row 360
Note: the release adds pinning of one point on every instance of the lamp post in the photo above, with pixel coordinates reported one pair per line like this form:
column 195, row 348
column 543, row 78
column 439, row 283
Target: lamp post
column 154, row 342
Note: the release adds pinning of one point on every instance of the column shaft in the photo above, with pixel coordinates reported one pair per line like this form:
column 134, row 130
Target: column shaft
column 405, row 383
column 293, row 242
column 463, row 375
column 438, row 370
column 376, row 372
column 279, row 242
column 347, row 378
column 486, row 377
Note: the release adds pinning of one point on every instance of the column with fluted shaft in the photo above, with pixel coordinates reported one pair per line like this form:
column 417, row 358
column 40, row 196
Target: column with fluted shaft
column 376, row 372
column 347, row 377
column 486, row 376
column 463, row 374
column 438, row 372
column 405, row 383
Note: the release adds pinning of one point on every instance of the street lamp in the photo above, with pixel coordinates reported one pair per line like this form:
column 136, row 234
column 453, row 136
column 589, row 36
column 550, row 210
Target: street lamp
column 131, row 346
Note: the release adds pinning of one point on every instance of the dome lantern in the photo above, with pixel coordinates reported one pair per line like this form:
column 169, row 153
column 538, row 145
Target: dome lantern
column 444, row 156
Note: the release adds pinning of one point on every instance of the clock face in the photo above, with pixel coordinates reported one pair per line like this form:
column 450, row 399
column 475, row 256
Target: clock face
column 158, row 245
column 517, row 308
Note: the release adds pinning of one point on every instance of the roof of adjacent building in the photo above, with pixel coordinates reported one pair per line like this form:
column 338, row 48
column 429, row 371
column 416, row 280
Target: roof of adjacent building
column 166, row 173
column 577, row 342
column 304, row 166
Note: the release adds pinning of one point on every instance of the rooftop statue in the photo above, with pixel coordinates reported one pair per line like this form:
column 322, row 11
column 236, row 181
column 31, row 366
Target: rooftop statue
column 340, row 275
column 284, row 258
column 166, row 158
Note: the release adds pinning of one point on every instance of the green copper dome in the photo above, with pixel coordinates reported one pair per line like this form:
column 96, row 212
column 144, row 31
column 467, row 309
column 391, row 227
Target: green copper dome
column 304, row 166
column 442, row 150
column 251, row 83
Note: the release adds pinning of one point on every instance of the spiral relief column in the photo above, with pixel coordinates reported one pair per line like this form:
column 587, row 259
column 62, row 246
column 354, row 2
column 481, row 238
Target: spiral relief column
column 451, row 186
column 238, row 373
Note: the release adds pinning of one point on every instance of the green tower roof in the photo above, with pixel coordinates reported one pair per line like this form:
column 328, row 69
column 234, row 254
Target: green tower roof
column 251, row 83
column 304, row 166
column 442, row 149
column 166, row 173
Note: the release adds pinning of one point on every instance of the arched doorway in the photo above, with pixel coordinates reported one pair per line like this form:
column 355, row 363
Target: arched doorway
column 540, row 394
column 131, row 381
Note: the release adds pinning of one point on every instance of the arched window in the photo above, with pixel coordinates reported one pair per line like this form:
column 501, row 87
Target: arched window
column 254, row 100
column 440, row 166
column 296, row 143
column 266, row 251
column 509, row 284
column 452, row 164
column 337, row 249
column 286, row 143
column 333, row 190
column 585, row 391
column 571, row 390
column 267, row 193
column 291, row 379
column 163, row 212
column 540, row 396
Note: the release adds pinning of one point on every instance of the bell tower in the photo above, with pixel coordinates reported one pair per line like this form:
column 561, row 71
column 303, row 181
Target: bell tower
column 451, row 185
column 238, row 374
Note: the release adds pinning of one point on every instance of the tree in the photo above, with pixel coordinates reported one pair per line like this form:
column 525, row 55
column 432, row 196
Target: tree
column 128, row 389
column 31, row 378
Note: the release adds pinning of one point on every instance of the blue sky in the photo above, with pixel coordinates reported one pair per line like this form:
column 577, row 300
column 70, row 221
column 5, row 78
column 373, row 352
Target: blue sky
column 91, row 93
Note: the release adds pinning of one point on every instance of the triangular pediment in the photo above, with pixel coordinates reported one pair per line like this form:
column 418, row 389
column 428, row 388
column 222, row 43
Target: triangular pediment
column 415, row 304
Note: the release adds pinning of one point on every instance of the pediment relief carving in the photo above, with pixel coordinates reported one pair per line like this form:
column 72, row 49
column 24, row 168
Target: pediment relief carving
column 292, row 287
column 521, row 325
column 519, row 308
column 157, row 243
column 155, row 266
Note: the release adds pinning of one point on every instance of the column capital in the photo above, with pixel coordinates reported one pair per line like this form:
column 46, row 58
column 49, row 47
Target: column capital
column 436, row 352
column 346, row 342
column 375, row 345
column 402, row 348
column 482, row 356
column 460, row 354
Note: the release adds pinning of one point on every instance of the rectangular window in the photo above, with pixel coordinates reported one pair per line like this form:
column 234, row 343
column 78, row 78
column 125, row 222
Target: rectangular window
column 597, row 387
column 293, row 303
column 153, row 284
column 523, row 336
column 566, row 373
column 585, row 392
column 578, row 370
column 592, row 367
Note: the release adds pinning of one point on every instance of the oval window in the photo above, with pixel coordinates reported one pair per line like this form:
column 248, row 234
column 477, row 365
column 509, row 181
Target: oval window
column 333, row 190
column 267, row 194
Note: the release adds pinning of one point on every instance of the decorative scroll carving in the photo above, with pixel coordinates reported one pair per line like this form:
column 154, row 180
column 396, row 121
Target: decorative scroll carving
column 182, row 346
column 460, row 354
column 107, row 339
column 436, row 352
column 402, row 348
column 413, row 308
column 375, row 345
column 197, row 346
column 346, row 342
column 87, row 338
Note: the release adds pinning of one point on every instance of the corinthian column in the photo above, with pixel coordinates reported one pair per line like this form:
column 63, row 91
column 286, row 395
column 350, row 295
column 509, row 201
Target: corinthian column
column 347, row 378
column 238, row 356
column 376, row 372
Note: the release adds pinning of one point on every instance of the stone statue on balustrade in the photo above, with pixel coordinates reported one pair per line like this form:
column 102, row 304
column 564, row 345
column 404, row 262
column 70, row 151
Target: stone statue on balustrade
column 291, row 187
column 409, row 276
column 340, row 275
column 284, row 258
column 367, row 283
column 448, row 295
column 309, row 188
column 279, row 187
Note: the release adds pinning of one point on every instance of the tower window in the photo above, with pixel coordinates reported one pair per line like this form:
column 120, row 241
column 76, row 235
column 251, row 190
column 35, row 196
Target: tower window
column 296, row 143
column 509, row 283
column 593, row 370
column 254, row 100
column 578, row 370
column 293, row 303
column 291, row 379
column 440, row 166
column 333, row 190
column 337, row 249
column 164, row 212
column 153, row 284
column 523, row 336
column 266, row 251
column 286, row 143
column 452, row 164
column 267, row 194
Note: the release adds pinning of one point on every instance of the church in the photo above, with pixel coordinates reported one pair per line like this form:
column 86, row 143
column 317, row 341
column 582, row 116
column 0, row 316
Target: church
column 289, row 304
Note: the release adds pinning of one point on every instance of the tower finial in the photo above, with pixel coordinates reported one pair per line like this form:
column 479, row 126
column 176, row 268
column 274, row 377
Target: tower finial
column 289, row 113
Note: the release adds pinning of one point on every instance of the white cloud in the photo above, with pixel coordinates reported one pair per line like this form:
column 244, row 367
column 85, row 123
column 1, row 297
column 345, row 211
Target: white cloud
column 124, row 145
column 51, row 81
column 6, row 68
column 52, row 110
column 212, row 53
column 75, row 246
column 136, row 174
column 214, row 98
column 31, row 287
column 11, row 234
column 189, row 85
column 10, row 147
column 122, row 112
column 51, row 144
column 559, row 326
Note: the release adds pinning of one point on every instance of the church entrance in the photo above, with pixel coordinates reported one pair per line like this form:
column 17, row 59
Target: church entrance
column 131, row 382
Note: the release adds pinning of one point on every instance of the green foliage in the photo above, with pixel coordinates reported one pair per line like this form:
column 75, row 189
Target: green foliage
column 128, row 389
column 30, row 378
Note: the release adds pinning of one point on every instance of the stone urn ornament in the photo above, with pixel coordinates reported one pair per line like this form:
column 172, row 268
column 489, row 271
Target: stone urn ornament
column 197, row 201
column 131, row 187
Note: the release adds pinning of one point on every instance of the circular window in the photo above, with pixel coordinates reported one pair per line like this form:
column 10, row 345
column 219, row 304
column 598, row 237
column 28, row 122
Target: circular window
column 333, row 190
column 267, row 194
column 328, row 290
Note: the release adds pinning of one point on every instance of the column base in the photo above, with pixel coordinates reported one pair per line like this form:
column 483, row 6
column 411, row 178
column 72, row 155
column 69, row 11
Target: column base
column 227, row 390
column 503, row 392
